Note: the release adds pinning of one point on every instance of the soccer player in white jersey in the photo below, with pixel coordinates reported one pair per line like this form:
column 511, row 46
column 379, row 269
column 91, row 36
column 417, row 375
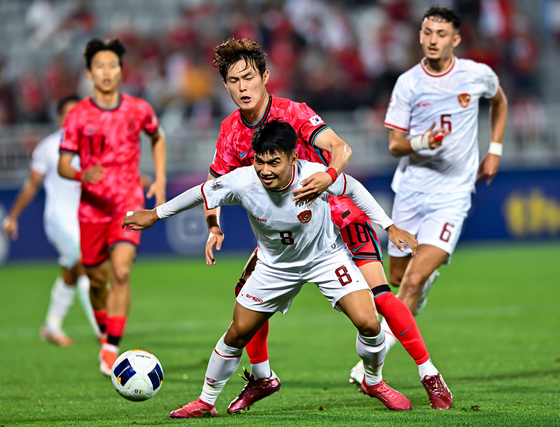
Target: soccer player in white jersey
column 433, row 118
column 60, row 221
column 297, row 244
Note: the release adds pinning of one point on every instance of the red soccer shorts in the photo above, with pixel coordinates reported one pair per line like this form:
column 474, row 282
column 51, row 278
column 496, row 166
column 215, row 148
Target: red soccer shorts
column 97, row 240
column 362, row 241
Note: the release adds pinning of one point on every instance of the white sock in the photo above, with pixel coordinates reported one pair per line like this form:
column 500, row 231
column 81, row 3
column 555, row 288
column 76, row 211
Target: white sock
column 222, row 365
column 390, row 339
column 261, row 370
column 110, row 347
column 85, row 301
column 372, row 351
column 427, row 368
column 62, row 296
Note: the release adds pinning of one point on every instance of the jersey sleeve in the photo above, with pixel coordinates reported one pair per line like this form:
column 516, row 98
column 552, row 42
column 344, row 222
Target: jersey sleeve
column 69, row 143
column 490, row 81
column 225, row 158
column 150, row 122
column 220, row 191
column 39, row 161
column 306, row 122
column 338, row 188
column 398, row 112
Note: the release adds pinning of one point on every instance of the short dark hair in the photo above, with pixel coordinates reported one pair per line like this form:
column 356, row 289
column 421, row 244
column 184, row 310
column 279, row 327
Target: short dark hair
column 233, row 50
column 275, row 136
column 65, row 100
column 96, row 45
column 444, row 14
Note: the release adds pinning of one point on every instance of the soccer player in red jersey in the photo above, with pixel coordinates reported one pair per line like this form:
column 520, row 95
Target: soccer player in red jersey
column 242, row 65
column 104, row 131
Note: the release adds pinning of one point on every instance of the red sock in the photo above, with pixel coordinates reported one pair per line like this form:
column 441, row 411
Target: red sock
column 257, row 348
column 402, row 323
column 101, row 319
column 115, row 329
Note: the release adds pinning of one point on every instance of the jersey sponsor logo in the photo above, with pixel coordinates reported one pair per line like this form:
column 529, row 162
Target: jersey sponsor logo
column 217, row 183
column 316, row 120
column 259, row 219
column 242, row 154
column 464, row 100
column 253, row 298
column 92, row 131
column 305, row 216
column 210, row 380
column 424, row 104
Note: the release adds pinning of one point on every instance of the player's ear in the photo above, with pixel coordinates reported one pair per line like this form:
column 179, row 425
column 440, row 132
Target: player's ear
column 293, row 158
column 265, row 77
column 89, row 75
column 225, row 84
column 456, row 40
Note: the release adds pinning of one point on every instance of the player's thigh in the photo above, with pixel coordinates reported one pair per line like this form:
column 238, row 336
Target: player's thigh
column 362, row 241
column 64, row 234
column 374, row 273
column 336, row 276
column 442, row 224
column 397, row 267
column 269, row 290
column 428, row 259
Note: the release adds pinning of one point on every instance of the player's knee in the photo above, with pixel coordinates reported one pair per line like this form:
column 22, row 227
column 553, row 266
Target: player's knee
column 121, row 274
column 413, row 284
column 369, row 327
column 236, row 337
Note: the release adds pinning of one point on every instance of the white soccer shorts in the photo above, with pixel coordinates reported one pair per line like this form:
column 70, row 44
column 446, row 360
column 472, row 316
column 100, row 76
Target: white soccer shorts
column 269, row 290
column 435, row 218
column 64, row 235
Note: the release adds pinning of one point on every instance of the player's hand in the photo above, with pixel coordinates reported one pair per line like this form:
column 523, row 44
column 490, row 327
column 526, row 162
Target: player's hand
column 215, row 238
column 93, row 174
column 157, row 189
column 488, row 168
column 140, row 220
column 10, row 227
column 435, row 137
column 312, row 187
column 399, row 237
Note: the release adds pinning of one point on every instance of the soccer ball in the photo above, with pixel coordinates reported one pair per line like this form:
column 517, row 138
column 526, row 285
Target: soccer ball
column 137, row 375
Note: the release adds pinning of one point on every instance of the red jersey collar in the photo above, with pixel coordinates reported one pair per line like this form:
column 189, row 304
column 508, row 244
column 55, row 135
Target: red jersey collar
column 444, row 73
column 113, row 108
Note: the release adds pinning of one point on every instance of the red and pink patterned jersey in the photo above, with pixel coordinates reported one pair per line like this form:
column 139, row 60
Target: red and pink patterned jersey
column 233, row 148
column 110, row 137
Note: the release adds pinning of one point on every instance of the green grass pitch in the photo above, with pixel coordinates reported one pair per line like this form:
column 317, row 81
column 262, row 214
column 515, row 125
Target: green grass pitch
column 491, row 326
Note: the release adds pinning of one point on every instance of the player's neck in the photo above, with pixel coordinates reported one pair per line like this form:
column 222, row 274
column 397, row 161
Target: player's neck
column 438, row 66
column 106, row 100
column 253, row 116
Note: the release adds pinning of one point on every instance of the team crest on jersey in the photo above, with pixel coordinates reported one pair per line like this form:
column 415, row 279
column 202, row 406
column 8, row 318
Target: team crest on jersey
column 464, row 99
column 304, row 216
column 133, row 126
column 217, row 183
column 316, row 120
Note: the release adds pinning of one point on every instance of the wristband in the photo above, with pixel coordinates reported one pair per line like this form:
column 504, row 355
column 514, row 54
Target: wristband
column 78, row 175
column 420, row 142
column 332, row 173
column 496, row 148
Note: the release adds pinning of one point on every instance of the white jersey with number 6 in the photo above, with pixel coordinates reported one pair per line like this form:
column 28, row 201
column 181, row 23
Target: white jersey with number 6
column 449, row 99
column 288, row 234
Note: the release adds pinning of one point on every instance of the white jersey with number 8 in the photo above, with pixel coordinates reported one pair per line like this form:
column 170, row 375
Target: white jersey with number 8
column 449, row 99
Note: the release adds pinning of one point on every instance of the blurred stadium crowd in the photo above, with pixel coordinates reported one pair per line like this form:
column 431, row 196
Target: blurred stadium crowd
column 335, row 55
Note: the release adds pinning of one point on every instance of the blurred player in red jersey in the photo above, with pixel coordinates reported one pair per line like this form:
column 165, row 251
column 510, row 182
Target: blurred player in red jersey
column 104, row 131
column 242, row 65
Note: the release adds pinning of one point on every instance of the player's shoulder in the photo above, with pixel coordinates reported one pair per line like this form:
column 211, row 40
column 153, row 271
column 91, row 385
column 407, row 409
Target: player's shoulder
column 407, row 79
column 471, row 66
column 232, row 119
column 289, row 107
column 307, row 168
column 132, row 100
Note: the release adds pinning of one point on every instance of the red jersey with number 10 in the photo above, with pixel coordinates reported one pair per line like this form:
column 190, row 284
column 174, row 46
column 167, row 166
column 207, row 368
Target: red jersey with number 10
column 233, row 148
column 111, row 138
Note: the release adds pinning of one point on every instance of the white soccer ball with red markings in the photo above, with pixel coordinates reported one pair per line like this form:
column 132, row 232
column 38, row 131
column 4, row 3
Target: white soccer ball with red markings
column 137, row 375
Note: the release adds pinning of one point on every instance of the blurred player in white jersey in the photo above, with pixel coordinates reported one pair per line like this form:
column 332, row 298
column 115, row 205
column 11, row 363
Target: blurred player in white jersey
column 60, row 221
column 433, row 117
column 297, row 244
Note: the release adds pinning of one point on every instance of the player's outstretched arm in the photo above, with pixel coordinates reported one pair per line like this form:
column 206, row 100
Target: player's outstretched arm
column 400, row 145
column 498, row 117
column 318, row 183
column 159, row 155
column 215, row 235
column 366, row 202
column 25, row 196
